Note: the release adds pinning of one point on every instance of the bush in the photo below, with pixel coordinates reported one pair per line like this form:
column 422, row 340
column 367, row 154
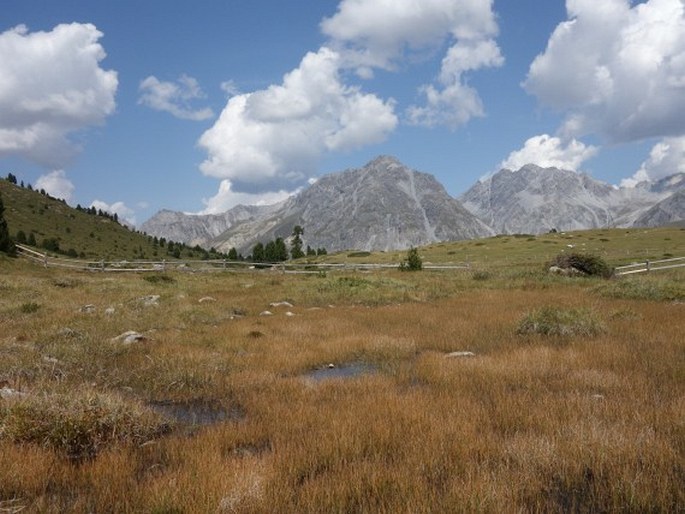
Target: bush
column 413, row 261
column 590, row 265
column 553, row 321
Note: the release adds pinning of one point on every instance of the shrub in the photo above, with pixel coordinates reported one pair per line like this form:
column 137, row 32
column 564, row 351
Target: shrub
column 159, row 279
column 412, row 262
column 588, row 264
column 553, row 321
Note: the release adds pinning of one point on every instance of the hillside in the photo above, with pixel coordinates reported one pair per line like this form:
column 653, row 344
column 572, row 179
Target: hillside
column 62, row 229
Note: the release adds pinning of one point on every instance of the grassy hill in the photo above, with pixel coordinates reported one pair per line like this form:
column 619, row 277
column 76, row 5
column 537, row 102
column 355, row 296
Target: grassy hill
column 616, row 246
column 62, row 229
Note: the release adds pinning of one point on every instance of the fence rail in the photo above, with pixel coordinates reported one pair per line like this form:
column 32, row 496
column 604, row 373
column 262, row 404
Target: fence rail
column 210, row 265
column 648, row 266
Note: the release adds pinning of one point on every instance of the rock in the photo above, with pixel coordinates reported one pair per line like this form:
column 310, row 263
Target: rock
column 50, row 360
column 206, row 299
column 88, row 309
column 290, row 314
column 109, row 311
column 129, row 337
column 151, row 300
column 7, row 393
column 556, row 270
column 280, row 304
column 455, row 355
column 266, row 313
column 331, row 366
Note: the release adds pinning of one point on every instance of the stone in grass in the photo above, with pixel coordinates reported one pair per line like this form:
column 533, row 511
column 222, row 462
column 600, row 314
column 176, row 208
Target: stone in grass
column 280, row 304
column 109, row 311
column 88, row 309
column 151, row 300
column 7, row 393
column 266, row 313
column 207, row 299
column 129, row 337
column 290, row 314
column 456, row 355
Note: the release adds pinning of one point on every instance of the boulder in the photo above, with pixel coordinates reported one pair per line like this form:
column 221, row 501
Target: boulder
column 456, row 355
column 129, row 337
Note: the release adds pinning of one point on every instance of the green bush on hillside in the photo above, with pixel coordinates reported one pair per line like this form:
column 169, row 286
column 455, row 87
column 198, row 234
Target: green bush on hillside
column 587, row 264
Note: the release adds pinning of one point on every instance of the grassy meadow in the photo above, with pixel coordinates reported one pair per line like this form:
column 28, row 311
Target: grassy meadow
column 572, row 398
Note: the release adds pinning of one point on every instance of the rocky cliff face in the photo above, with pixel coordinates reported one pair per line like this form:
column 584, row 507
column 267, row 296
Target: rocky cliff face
column 194, row 229
column 535, row 200
column 382, row 206
column 666, row 212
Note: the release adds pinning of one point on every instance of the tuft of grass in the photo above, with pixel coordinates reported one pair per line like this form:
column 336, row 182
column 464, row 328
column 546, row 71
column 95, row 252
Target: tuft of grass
column 29, row 307
column 159, row 279
column 78, row 425
column 553, row 321
column 643, row 288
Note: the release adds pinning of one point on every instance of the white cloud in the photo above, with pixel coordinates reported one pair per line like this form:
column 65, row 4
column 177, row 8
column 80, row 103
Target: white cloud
column 124, row 213
column 379, row 34
column 57, row 185
column 616, row 69
column 666, row 158
column 547, row 152
column 51, row 85
column 174, row 98
column 272, row 139
column 384, row 33
column 226, row 198
column 230, row 88
column 457, row 102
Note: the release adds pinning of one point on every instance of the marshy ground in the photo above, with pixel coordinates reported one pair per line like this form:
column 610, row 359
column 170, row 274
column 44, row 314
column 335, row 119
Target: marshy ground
column 573, row 399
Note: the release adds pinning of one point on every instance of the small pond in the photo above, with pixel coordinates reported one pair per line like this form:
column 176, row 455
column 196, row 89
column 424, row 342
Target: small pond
column 197, row 413
column 350, row 370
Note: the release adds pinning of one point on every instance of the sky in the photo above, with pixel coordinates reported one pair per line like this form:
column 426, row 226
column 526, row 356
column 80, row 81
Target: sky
column 134, row 106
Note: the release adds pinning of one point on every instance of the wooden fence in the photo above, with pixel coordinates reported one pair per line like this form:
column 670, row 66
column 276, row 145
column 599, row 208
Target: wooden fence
column 210, row 265
column 648, row 266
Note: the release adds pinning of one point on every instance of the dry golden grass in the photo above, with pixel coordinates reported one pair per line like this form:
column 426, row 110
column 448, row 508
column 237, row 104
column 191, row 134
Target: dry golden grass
column 530, row 423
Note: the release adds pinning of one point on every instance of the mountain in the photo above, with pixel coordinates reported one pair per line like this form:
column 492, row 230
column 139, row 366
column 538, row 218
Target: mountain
column 381, row 206
column 666, row 212
column 199, row 229
column 535, row 200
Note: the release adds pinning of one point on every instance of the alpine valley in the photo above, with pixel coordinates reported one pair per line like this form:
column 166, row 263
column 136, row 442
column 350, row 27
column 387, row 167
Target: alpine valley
column 387, row 206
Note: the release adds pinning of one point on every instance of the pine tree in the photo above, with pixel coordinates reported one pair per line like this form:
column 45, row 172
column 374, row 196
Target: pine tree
column 6, row 244
column 232, row 254
column 296, row 243
column 258, row 253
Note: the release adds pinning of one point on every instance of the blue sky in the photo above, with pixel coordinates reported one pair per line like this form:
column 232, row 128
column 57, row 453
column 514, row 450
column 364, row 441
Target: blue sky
column 197, row 106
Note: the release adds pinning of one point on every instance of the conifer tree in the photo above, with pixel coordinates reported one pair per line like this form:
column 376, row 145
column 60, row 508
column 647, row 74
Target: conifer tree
column 6, row 244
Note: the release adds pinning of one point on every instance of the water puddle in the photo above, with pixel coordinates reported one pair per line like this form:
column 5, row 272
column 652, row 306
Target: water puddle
column 197, row 413
column 351, row 370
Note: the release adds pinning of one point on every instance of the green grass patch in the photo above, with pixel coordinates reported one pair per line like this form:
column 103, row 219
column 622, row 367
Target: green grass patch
column 643, row 288
column 554, row 321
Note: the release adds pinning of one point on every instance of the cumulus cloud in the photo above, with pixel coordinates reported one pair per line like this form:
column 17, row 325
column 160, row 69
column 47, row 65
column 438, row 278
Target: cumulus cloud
column 125, row 214
column 51, row 85
column 272, row 139
column 666, row 158
column 547, row 151
column 384, row 34
column 616, row 69
column 57, row 185
column 227, row 198
column 174, row 97
column 456, row 102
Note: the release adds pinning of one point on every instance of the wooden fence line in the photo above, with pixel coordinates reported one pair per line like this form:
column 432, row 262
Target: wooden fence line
column 210, row 265
column 648, row 266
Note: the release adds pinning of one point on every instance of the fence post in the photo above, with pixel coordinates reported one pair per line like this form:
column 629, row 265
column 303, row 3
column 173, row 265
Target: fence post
column 649, row 266
column 163, row 264
column 45, row 260
column 102, row 265
column 224, row 263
